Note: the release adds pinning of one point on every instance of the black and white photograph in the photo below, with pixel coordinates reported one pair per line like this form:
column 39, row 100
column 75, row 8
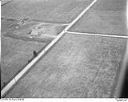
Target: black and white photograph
column 64, row 49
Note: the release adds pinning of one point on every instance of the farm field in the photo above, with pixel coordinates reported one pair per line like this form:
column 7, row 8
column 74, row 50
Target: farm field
column 105, row 17
column 45, row 10
column 15, row 55
column 18, row 46
column 82, row 43
column 88, row 68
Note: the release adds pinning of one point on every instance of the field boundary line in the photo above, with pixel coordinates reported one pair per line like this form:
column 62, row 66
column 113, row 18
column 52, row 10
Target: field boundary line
column 97, row 34
column 45, row 50
column 39, row 21
column 57, row 23
column 46, row 35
